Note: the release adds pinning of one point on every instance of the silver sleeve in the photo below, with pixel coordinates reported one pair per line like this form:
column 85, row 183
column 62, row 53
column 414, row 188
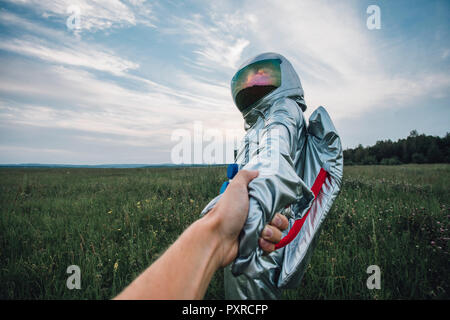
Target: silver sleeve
column 266, row 276
column 277, row 186
column 323, row 150
column 254, row 275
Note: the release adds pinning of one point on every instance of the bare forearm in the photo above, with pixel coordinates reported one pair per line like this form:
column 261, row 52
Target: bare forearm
column 184, row 270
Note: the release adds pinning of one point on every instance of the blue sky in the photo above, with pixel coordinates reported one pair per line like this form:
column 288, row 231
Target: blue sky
column 114, row 90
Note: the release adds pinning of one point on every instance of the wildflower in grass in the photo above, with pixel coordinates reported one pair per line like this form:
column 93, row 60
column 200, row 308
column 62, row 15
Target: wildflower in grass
column 169, row 198
column 116, row 266
column 147, row 200
column 118, row 229
column 110, row 211
column 191, row 201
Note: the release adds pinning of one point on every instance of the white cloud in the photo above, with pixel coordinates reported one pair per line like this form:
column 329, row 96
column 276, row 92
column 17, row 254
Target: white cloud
column 96, row 14
column 61, row 48
column 75, row 99
column 218, row 45
column 59, row 88
column 75, row 54
column 328, row 44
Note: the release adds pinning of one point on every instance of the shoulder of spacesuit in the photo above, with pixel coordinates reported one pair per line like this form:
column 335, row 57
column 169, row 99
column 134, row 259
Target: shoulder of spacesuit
column 284, row 109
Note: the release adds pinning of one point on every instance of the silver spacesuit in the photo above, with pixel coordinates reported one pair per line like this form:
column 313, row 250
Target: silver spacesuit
column 300, row 172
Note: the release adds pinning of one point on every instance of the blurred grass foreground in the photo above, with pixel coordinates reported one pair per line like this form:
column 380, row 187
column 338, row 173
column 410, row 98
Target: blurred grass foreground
column 113, row 223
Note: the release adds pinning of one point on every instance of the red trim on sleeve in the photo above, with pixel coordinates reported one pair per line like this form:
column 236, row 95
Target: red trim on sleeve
column 298, row 224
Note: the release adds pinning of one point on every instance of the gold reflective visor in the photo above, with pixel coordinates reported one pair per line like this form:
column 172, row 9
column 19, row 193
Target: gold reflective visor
column 255, row 81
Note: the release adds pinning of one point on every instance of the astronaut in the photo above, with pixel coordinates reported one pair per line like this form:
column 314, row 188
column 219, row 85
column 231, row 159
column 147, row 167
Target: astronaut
column 300, row 172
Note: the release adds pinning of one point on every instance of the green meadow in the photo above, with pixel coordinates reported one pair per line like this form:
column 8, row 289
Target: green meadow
column 113, row 223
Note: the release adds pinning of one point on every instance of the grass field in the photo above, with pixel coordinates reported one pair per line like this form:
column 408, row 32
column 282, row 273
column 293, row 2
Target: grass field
column 113, row 223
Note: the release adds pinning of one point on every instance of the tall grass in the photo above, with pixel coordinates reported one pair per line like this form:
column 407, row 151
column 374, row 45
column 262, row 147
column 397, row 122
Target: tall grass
column 113, row 223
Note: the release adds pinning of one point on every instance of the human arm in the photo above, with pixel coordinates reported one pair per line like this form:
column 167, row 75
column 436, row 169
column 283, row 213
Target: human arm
column 186, row 268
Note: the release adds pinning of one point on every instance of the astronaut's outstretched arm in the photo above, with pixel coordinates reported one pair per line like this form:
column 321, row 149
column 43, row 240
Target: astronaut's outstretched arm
column 278, row 184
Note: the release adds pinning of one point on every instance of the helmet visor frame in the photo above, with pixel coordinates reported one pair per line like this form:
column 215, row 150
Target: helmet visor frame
column 255, row 81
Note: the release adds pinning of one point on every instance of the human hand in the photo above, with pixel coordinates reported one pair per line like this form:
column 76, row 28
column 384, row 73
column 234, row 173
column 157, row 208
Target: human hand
column 231, row 213
column 271, row 233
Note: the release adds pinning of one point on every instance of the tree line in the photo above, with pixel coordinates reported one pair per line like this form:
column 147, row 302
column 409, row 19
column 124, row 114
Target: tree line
column 416, row 148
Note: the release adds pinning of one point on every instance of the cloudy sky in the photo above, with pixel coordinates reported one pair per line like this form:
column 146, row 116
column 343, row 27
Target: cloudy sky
column 114, row 89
